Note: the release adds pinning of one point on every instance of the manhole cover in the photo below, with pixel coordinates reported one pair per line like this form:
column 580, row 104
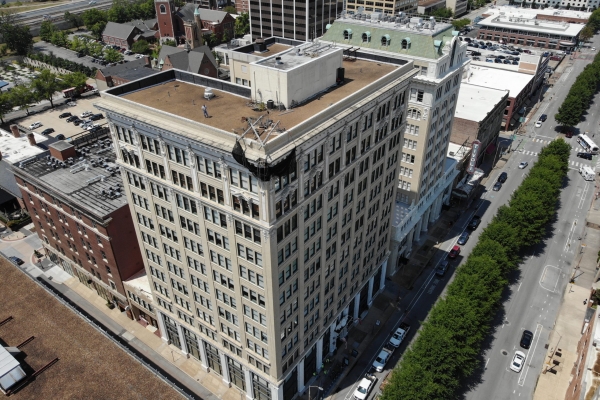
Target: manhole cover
column 504, row 352
column 505, row 322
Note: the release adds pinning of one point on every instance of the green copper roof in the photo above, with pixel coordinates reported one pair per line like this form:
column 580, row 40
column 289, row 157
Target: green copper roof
column 417, row 45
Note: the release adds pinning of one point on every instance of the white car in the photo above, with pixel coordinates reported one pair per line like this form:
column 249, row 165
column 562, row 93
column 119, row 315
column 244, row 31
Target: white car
column 363, row 389
column 523, row 165
column 90, row 126
column 593, row 49
column 86, row 114
column 138, row 56
column 381, row 360
column 538, row 124
column 518, row 361
column 35, row 125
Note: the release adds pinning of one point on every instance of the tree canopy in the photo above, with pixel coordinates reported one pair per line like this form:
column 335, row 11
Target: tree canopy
column 242, row 24
column 459, row 24
column 46, row 84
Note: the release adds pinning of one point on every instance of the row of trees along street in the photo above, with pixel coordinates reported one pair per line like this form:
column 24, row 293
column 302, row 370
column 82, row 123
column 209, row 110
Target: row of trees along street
column 43, row 87
column 449, row 345
column 582, row 92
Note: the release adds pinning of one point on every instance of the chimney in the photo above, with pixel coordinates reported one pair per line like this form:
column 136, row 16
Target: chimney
column 62, row 150
column 31, row 139
column 15, row 131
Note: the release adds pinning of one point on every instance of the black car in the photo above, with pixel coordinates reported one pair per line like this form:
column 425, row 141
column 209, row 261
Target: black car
column 96, row 117
column 79, row 55
column 501, row 57
column 78, row 122
column 502, row 178
column 475, row 53
column 47, row 131
column 587, row 156
column 95, row 129
column 526, row 339
column 543, row 117
column 72, row 118
column 497, row 186
column 442, row 268
column 507, row 62
column 474, row 223
column 476, row 59
column 64, row 115
column 515, row 63
column 60, row 137
column 498, row 61
column 16, row 260
column 463, row 238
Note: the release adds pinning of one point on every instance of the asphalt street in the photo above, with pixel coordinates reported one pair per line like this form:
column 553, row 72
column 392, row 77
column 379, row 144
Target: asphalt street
column 61, row 8
column 535, row 293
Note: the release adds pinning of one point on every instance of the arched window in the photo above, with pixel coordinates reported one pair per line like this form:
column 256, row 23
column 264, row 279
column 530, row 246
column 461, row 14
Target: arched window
column 452, row 98
column 406, row 43
column 163, row 9
column 414, row 113
column 435, row 113
column 366, row 37
column 385, row 40
column 347, row 34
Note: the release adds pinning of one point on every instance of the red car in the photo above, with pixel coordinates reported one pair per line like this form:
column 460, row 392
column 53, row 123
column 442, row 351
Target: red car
column 454, row 252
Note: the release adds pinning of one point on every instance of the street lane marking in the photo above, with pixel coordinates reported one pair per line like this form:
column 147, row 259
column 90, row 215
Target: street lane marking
column 549, row 269
column 585, row 190
column 523, row 374
column 567, row 247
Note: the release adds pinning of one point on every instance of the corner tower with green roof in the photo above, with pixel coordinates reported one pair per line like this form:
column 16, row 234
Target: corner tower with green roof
column 426, row 177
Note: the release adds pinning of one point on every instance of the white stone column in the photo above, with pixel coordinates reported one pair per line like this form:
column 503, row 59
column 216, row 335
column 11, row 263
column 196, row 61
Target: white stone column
column 161, row 326
column 332, row 335
column 383, row 272
column 300, row 375
column 203, row 358
column 226, row 379
column 370, row 295
column 182, row 339
column 319, row 354
column 346, row 311
column 276, row 392
column 356, row 305
column 249, row 387
column 417, row 231
column 425, row 220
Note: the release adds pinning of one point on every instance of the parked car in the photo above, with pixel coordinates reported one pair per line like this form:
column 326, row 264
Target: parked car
column 526, row 339
column 476, row 59
column 523, row 165
column 64, row 115
column 464, row 237
column 364, row 387
column 138, row 56
column 47, row 131
column 86, row 114
column 60, row 137
column 77, row 122
column 501, row 57
column 16, row 260
column 382, row 359
column 96, row 117
column 442, row 268
column 543, row 117
column 515, row 63
column 474, row 223
column 454, row 252
column 517, row 361
column 72, row 118
column 79, row 55
column 586, row 156
column 35, row 125
column 498, row 61
column 476, row 53
column 569, row 134
column 497, row 186
column 507, row 62
column 399, row 335
column 538, row 124
column 502, row 178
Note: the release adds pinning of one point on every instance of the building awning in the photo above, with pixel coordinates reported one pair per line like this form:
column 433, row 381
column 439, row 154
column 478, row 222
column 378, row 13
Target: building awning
column 566, row 43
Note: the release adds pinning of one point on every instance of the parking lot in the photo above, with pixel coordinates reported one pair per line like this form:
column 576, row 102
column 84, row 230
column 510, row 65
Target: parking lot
column 50, row 119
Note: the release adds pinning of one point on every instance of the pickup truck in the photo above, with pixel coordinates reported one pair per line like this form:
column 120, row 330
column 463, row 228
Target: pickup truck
column 399, row 335
column 364, row 387
column 382, row 359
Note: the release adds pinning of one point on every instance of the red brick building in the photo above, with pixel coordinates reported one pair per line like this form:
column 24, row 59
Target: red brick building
column 583, row 346
column 74, row 195
column 189, row 23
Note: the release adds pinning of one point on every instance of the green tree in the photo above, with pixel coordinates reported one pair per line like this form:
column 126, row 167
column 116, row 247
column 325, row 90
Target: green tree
column 6, row 104
column 97, row 29
column 459, row 24
column 75, row 79
column 96, row 49
column 119, row 12
column 112, row 56
column 569, row 113
column 586, row 33
column 46, row 30
column 140, row 47
column 443, row 13
column 75, row 19
column 230, row 10
column 3, row 50
column 46, row 84
column 225, row 38
column 93, row 16
column 17, row 37
column 242, row 24
column 59, row 38
column 23, row 97
column 169, row 42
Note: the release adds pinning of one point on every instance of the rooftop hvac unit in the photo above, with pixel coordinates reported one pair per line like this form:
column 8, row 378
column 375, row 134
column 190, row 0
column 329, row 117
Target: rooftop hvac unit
column 416, row 20
column 208, row 93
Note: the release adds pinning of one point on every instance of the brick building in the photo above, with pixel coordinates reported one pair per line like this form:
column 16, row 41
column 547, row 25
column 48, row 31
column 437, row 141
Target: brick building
column 75, row 197
column 478, row 116
column 123, row 73
column 198, row 60
column 584, row 345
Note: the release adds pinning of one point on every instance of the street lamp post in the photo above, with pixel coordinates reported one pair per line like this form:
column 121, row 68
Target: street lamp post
column 318, row 387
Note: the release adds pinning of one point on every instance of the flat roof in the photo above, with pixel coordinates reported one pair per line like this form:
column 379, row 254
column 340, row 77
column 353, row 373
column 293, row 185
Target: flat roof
column 302, row 55
column 500, row 79
column 228, row 111
column 272, row 49
column 18, row 149
column 89, row 365
column 526, row 20
column 476, row 102
column 541, row 11
column 457, row 151
column 84, row 179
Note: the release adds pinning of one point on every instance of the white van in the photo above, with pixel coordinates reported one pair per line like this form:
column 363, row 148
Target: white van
column 587, row 173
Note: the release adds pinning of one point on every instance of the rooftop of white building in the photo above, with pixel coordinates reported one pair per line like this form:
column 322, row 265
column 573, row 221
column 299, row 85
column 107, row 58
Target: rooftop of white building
column 525, row 19
column 457, row 152
column 475, row 102
column 500, row 79
column 18, row 149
